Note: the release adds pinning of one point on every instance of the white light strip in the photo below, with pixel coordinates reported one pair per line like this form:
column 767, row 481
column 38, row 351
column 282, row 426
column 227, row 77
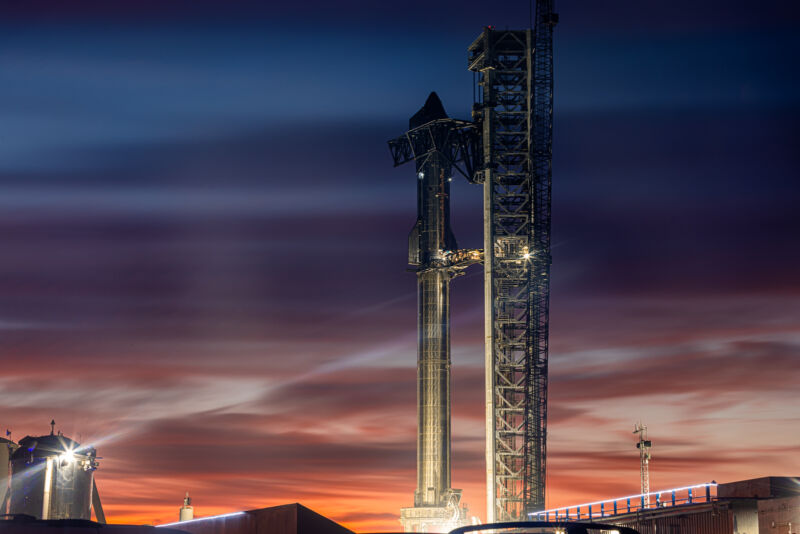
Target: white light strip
column 638, row 495
column 199, row 519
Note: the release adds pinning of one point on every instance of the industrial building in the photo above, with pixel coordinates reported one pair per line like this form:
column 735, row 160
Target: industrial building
column 27, row 525
column 766, row 505
column 50, row 488
column 287, row 519
column 50, row 477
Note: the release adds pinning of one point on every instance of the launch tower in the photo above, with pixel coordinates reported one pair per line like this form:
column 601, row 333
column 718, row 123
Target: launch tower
column 514, row 105
column 507, row 149
column 438, row 145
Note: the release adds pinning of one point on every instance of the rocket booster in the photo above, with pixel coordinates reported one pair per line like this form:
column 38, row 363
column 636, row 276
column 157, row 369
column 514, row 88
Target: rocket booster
column 430, row 238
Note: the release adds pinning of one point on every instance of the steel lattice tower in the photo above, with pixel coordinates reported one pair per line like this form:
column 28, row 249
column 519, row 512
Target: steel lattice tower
column 514, row 106
column 644, row 446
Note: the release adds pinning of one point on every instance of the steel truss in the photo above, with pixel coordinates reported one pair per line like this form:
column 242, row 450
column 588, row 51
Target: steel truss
column 514, row 108
column 454, row 140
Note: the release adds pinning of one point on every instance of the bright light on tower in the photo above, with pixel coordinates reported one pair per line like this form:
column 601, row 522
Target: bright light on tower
column 68, row 456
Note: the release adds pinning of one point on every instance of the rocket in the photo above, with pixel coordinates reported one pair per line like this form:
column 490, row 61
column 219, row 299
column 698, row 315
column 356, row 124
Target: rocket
column 430, row 239
column 436, row 144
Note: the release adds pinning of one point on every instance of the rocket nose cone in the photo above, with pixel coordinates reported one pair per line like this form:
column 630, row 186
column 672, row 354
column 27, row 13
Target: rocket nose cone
column 431, row 111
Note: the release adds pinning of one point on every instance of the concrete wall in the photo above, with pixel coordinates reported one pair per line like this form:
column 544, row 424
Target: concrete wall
column 779, row 516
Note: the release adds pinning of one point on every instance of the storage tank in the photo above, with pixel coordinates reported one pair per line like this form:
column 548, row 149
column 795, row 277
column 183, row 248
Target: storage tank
column 187, row 512
column 51, row 478
column 7, row 448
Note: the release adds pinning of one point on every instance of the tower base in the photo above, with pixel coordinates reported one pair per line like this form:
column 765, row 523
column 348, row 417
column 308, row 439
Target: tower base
column 435, row 518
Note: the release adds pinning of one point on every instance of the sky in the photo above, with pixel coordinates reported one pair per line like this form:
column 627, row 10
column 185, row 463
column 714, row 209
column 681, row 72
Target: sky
column 204, row 246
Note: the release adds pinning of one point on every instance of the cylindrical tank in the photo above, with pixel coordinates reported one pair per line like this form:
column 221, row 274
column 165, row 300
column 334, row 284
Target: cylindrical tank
column 433, row 333
column 51, row 478
column 187, row 512
column 7, row 448
column 433, row 388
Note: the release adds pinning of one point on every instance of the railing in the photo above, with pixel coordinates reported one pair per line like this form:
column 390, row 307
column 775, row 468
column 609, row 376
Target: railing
column 196, row 519
column 699, row 493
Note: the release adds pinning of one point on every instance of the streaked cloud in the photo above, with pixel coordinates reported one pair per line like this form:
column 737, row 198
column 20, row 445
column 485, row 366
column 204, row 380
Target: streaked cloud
column 204, row 248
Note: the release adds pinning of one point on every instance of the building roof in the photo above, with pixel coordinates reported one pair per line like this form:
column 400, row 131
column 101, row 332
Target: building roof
column 286, row 519
column 760, row 488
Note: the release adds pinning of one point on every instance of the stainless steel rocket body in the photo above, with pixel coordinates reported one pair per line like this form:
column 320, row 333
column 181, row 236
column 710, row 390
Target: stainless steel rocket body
column 434, row 237
column 437, row 145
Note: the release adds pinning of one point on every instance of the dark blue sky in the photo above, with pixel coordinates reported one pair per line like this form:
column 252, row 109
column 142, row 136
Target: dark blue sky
column 198, row 212
column 81, row 79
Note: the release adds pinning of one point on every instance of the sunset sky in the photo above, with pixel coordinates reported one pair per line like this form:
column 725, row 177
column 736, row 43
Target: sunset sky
column 203, row 246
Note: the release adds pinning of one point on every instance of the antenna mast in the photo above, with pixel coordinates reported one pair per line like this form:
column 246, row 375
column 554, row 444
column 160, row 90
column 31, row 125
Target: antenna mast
column 644, row 445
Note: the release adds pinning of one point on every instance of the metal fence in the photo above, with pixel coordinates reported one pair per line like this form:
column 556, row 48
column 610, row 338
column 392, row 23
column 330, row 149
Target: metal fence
column 699, row 493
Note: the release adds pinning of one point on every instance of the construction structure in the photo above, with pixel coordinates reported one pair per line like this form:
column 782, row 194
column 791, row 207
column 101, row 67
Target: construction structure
column 437, row 145
column 514, row 108
column 644, row 446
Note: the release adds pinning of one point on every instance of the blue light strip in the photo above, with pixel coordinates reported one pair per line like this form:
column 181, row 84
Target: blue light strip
column 200, row 519
column 638, row 496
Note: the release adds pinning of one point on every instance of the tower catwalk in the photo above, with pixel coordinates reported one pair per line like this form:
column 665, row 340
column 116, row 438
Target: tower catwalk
column 437, row 144
column 514, row 106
